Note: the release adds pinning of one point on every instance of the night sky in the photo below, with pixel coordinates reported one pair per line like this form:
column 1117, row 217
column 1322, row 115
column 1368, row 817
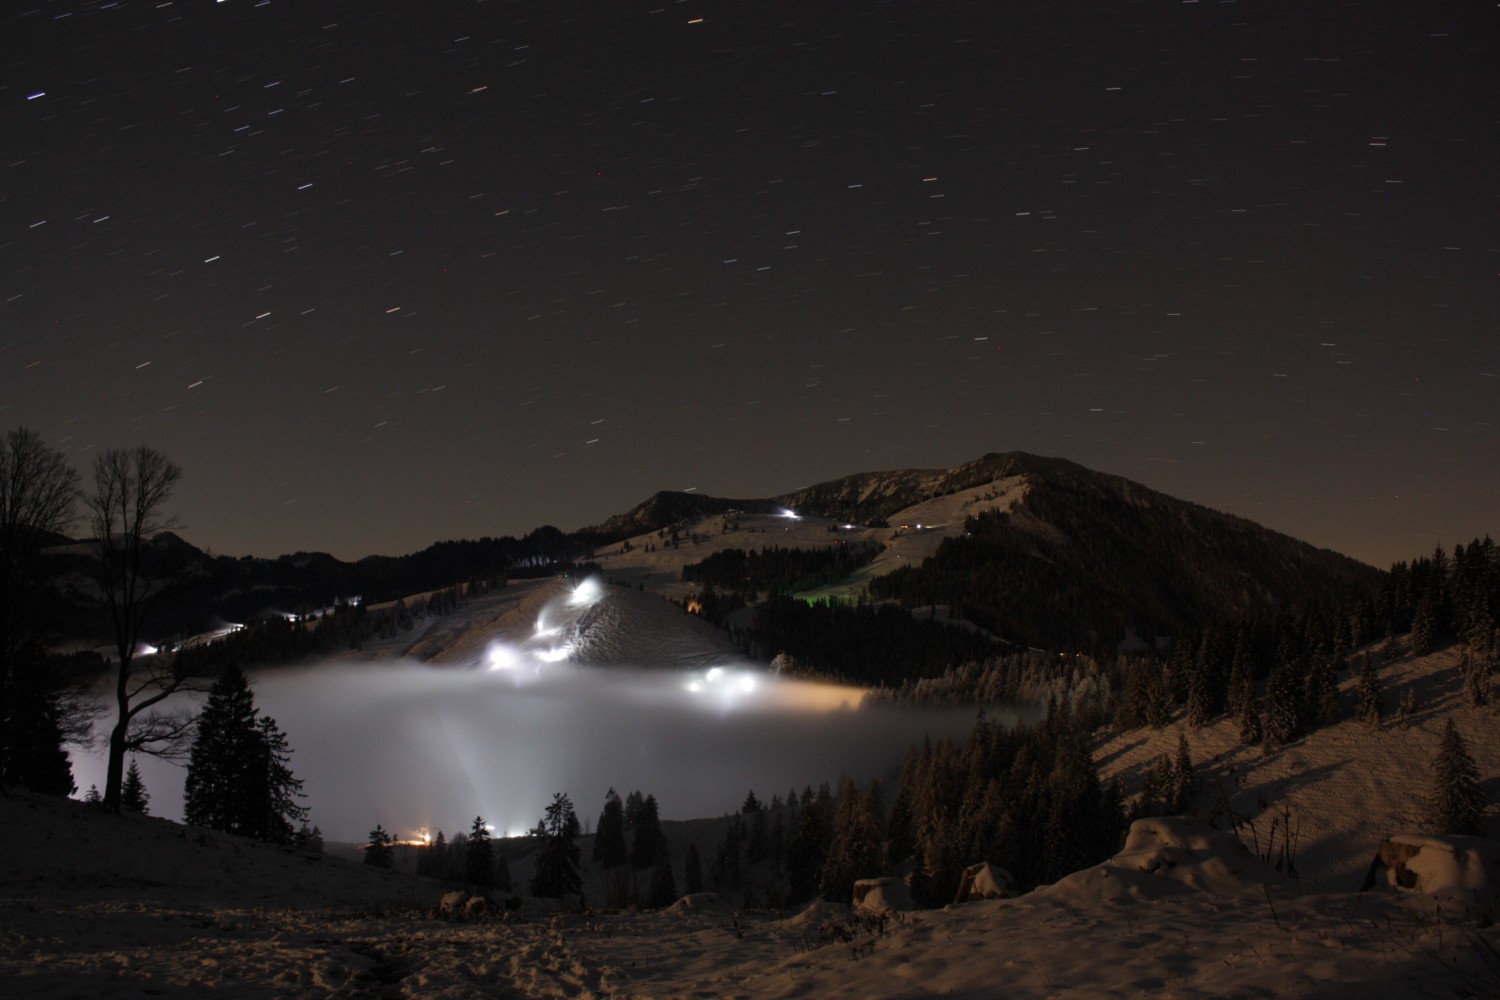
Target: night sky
column 380, row 273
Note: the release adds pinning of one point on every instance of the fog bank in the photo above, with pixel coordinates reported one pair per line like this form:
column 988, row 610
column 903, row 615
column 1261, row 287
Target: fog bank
column 415, row 747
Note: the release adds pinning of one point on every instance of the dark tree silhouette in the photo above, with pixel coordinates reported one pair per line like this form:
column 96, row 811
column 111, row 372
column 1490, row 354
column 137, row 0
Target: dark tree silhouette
column 239, row 779
column 1371, row 704
column 380, row 851
column 648, row 843
column 38, row 494
column 126, row 511
column 557, row 864
column 479, row 860
column 663, row 889
column 609, row 837
column 133, row 796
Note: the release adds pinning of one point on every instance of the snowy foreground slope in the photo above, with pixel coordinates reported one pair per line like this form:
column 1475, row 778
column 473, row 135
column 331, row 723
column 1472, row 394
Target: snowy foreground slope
column 93, row 905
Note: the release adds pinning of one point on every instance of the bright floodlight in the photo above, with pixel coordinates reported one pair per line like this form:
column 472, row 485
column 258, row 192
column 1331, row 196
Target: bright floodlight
column 586, row 592
column 503, row 657
column 787, row 512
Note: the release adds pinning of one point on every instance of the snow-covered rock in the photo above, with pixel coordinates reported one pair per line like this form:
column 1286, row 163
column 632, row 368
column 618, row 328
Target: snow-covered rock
column 882, row 895
column 985, row 881
column 1461, row 873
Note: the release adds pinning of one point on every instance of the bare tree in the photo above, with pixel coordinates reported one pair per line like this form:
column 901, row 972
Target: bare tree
column 126, row 510
column 38, row 498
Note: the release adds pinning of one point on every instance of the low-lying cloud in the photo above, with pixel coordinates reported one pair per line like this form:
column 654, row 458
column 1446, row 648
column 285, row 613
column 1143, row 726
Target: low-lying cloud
column 416, row 747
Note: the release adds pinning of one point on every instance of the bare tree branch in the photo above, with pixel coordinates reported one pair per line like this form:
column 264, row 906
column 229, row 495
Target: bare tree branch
column 126, row 510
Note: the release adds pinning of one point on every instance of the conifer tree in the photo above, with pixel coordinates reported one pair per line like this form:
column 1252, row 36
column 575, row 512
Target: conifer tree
column 1283, row 715
column 855, row 850
column 609, row 837
column 1323, row 692
column 1424, row 626
column 239, row 779
column 274, row 790
column 557, row 864
column 758, row 841
column 1407, row 710
column 309, row 839
column 380, row 851
column 1476, row 676
column 1183, row 783
column 1158, row 698
column 806, row 852
column 1371, row 704
column 647, row 844
column 663, row 889
column 221, row 769
column 1455, row 804
column 31, row 725
column 1252, row 727
column 479, row 860
column 133, row 794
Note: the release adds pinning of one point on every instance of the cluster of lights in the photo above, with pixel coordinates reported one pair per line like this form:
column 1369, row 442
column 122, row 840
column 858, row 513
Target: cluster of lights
column 542, row 647
column 725, row 684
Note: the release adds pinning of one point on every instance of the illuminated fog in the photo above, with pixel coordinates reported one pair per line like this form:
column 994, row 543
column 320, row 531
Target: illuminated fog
column 414, row 746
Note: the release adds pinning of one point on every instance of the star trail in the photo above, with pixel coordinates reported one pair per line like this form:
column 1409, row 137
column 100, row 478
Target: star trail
column 377, row 274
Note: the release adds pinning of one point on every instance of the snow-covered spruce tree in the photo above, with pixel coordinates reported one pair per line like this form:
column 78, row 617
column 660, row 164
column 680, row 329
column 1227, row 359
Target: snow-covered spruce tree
column 479, row 861
column 1424, row 627
column 1371, row 704
column 1475, row 672
column 133, row 794
column 1407, row 710
column 855, row 851
column 557, row 864
column 1158, row 698
column 380, row 851
column 1323, row 692
column 1455, row 804
column 1183, row 780
column 1283, row 714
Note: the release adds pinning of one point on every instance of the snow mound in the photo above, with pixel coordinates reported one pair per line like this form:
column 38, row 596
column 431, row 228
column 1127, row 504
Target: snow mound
column 1171, row 856
column 985, row 881
column 882, row 895
column 1461, row 873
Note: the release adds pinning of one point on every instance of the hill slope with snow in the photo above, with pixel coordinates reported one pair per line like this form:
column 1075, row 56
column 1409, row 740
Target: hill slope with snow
column 92, row 904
